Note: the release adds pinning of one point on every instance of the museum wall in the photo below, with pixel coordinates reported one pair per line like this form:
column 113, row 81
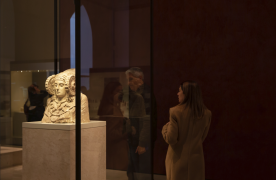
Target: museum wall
column 34, row 30
column 228, row 47
column 7, row 34
column 101, row 20
column 27, row 43
column 139, row 29
column 66, row 11
column 27, row 33
column 120, row 33
column 19, row 92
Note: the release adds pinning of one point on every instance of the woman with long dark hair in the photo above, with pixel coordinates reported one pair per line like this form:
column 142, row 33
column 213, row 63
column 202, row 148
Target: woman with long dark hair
column 185, row 132
column 110, row 101
column 36, row 97
column 116, row 140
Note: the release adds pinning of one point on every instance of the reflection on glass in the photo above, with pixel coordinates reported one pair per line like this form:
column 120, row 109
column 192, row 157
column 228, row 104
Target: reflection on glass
column 116, row 139
column 23, row 98
column 125, row 105
column 123, row 99
column 121, row 38
column 28, row 99
column 139, row 137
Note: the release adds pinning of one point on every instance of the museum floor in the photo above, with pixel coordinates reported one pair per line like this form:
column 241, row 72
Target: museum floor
column 15, row 173
column 9, row 154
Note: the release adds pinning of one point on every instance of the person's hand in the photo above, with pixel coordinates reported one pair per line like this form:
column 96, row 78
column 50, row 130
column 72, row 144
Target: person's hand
column 140, row 150
column 133, row 130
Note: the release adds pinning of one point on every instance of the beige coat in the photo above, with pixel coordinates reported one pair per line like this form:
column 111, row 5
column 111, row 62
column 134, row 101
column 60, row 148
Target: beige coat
column 185, row 159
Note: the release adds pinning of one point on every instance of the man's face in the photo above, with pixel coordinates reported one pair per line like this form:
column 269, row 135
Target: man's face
column 60, row 89
column 134, row 82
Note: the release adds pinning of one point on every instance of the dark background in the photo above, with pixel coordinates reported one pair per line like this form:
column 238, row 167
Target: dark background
column 228, row 47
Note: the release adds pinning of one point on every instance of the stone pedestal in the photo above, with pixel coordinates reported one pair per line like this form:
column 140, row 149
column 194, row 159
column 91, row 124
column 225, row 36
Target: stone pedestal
column 49, row 151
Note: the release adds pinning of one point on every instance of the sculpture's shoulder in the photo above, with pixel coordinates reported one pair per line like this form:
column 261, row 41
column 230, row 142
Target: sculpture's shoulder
column 84, row 97
column 48, row 111
column 84, row 109
column 49, row 106
column 49, row 100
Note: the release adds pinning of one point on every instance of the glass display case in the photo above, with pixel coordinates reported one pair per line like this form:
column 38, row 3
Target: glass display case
column 20, row 81
column 108, row 44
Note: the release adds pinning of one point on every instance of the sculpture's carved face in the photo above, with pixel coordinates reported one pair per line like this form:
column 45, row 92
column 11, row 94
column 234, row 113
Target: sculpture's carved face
column 60, row 88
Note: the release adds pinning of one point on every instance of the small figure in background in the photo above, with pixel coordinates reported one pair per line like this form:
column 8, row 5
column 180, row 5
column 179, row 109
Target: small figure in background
column 36, row 98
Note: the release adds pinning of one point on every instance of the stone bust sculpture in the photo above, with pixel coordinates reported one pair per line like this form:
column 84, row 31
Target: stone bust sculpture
column 61, row 106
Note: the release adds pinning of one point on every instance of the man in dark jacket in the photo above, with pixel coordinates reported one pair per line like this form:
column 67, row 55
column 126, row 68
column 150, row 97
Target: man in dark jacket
column 143, row 126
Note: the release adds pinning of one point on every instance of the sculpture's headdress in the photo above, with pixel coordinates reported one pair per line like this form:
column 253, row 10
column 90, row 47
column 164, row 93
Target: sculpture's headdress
column 67, row 76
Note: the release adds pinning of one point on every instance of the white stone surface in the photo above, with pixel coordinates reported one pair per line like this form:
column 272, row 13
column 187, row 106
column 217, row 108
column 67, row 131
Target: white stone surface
column 49, row 152
column 61, row 107
column 62, row 126
column 10, row 156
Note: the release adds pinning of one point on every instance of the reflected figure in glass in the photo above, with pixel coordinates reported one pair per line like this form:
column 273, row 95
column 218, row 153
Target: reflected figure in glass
column 139, row 139
column 116, row 140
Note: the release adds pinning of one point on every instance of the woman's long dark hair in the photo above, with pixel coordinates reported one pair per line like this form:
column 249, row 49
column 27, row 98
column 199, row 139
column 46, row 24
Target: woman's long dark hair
column 107, row 98
column 31, row 90
column 193, row 98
